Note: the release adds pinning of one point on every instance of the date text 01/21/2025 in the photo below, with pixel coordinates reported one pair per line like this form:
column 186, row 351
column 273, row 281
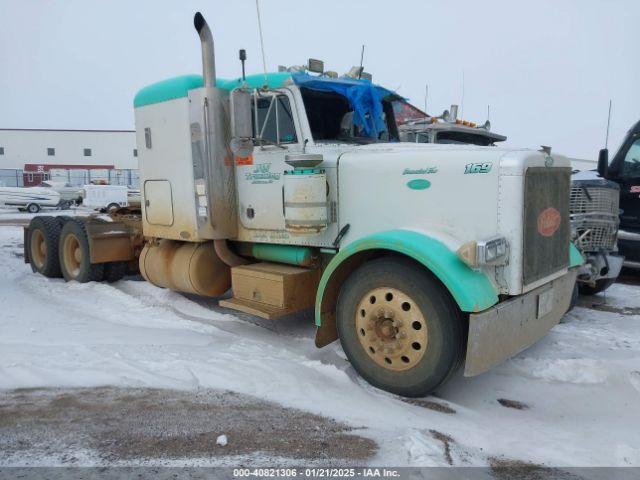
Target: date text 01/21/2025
column 315, row 472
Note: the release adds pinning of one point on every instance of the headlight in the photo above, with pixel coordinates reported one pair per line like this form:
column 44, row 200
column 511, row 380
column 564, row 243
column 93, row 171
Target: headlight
column 486, row 252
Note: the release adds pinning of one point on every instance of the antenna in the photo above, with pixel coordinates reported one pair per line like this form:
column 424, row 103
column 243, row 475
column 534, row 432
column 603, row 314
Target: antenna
column 264, row 61
column 488, row 112
column 606, row 141
column 462, row 99
column 361, row 60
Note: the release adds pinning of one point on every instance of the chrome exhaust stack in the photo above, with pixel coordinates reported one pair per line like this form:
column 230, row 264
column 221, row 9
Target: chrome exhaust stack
column 208, row 53
column 213, row 172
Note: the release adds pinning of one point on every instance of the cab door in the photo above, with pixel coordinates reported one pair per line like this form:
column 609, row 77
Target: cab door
column 628, row 176
column 260, row 177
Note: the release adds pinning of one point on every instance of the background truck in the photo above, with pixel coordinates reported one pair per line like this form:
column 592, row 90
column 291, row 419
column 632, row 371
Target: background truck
column 291, row 189
column 624, row 170
column 417, row 126
column 594, row 210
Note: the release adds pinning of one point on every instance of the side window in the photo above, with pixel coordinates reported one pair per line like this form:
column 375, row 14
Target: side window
column 631, row 165
column 422, row 137
column 274, row 120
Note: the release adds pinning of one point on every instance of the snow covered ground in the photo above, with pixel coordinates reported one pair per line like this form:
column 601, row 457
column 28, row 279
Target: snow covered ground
column 573, row 399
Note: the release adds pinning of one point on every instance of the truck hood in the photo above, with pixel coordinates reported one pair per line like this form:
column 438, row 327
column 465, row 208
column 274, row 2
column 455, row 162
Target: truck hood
column 429, row 147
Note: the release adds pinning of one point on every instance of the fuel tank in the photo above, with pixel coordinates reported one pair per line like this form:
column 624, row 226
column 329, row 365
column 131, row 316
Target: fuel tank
column 185, row 267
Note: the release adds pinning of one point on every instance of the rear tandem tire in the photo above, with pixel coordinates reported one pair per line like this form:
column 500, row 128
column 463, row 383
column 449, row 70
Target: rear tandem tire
column 114, row 271
column 399, row 327
column 44, row 235
column 62, row 219
column 75, row 257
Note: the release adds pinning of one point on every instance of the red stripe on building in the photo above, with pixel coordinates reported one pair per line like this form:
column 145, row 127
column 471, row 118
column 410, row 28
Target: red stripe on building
column 45, row 167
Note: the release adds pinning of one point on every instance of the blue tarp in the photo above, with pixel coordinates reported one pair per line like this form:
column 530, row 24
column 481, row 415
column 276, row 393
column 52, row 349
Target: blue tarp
column 364, row 97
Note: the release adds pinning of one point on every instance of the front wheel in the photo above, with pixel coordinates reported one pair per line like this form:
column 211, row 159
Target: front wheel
column 399, row 327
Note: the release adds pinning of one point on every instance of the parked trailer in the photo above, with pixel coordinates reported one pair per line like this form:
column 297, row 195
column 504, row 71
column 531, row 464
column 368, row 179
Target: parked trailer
column 107, row 197
column 290, row 188
column 31, row 199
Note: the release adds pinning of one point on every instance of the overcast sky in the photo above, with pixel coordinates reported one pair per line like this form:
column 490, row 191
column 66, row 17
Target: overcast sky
column 547, row 68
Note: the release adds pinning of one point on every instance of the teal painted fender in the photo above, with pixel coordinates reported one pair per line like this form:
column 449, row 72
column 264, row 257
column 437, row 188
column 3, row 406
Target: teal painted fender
column 575, row 257
column 471, row 289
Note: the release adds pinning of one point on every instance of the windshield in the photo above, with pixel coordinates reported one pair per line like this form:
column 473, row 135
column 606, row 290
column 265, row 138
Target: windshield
column 331, row 119
column 631, row 165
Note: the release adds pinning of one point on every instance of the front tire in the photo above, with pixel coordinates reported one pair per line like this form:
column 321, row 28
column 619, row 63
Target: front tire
column 399, row 327
column 75, row 257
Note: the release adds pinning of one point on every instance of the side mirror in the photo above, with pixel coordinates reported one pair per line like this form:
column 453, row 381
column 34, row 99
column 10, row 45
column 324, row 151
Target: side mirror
column 241, row 127
column 603, row 162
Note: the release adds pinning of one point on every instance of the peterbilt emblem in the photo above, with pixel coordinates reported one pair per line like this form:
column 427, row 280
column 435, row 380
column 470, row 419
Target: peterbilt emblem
column 549, row 221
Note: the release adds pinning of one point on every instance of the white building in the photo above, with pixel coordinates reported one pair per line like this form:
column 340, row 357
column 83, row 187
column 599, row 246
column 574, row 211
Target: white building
column 38, row 151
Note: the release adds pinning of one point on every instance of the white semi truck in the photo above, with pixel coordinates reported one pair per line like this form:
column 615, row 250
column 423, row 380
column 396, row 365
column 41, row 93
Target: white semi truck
column 291, row 190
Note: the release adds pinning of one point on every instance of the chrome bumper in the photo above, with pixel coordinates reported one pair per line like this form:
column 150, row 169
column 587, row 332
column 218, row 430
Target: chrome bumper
column 632, row 236
column 631, row 264
column 511, row 326
column 595, row 263
column 629, row 237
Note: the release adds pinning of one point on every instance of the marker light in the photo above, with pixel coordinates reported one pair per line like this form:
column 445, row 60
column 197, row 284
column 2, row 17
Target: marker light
column 492, row 251
column 315, row 65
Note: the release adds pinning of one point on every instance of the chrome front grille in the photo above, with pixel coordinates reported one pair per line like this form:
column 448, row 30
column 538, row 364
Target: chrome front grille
column 546, row 222
column 594, row 217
